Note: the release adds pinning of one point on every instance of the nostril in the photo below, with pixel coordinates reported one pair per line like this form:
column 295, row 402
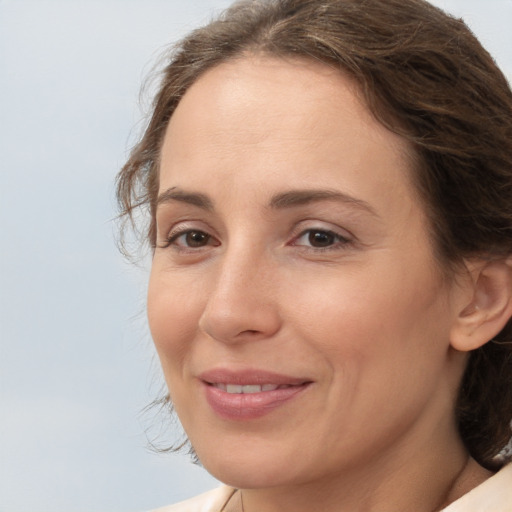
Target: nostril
column 249, row 333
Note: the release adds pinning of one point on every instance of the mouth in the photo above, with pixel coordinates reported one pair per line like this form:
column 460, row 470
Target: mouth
column 250, row 394
column 237, row 389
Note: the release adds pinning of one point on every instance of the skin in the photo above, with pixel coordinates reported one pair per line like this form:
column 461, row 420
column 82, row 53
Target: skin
column 367, row 317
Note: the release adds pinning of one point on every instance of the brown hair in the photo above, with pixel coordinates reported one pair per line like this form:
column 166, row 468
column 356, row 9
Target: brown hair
column 424, row 76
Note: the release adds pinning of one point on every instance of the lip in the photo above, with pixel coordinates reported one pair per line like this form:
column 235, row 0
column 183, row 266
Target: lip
column 247, row 406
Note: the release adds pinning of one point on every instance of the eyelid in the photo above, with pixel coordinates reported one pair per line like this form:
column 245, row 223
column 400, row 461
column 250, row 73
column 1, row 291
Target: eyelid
column 343, row 238
column 339, row 239
column 182, row 227
column 313, row 224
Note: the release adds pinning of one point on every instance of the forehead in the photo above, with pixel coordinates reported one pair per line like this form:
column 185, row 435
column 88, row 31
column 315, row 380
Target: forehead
column 261, row 88
column 263, row 118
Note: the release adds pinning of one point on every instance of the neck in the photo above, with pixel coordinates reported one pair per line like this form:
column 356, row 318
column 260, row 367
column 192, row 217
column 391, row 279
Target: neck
column 470, row 477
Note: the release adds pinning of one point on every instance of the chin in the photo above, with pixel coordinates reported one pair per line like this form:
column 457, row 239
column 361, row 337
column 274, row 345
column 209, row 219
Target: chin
column 246, row 471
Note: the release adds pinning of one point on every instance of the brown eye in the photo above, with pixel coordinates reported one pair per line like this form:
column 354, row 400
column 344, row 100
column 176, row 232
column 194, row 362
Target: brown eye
column 195, row 238
column 190, row 239
column 321, row 238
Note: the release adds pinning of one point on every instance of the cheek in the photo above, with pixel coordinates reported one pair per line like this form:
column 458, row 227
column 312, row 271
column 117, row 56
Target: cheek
column 383, row 313
column 384, row 342
column 173, row 315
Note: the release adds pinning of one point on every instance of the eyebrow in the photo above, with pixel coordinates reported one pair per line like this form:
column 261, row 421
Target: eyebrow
column 193, row 198
column 284, row 200
column 295, row 198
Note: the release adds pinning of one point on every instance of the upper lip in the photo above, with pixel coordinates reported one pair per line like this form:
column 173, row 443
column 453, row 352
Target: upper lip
column 249, row 376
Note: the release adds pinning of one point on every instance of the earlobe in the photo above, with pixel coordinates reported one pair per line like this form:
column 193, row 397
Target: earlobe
column 489, row 308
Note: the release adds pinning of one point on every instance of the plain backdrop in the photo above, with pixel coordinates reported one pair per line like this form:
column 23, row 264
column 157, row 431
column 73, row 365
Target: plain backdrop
column 76, row 361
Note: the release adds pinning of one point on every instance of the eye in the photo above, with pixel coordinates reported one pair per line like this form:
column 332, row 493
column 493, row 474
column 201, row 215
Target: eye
column 193, row 238
column 320, row 239
column 190, row 239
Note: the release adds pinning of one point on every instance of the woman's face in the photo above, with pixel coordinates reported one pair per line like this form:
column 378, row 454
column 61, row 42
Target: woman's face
column 294, row 300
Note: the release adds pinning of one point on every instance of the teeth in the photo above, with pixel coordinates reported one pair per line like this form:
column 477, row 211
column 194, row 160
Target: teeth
column 247, row 389
column 251, row 389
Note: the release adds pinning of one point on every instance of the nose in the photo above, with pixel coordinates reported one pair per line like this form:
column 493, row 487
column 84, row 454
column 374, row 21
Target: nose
column 242, row 304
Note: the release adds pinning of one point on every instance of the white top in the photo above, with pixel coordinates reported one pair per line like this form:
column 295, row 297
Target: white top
column 493, row 495
column 211, row 501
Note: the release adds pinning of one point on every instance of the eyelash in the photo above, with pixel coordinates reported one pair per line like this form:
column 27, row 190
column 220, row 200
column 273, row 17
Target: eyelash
column 174, row 236
column 337, row 241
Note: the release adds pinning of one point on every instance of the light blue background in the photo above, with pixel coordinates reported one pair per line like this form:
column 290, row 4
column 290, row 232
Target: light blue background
column 76, row 361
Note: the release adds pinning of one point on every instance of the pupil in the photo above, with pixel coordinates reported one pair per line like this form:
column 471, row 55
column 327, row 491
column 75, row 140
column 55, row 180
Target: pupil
column 196, row 239
column 321, row 239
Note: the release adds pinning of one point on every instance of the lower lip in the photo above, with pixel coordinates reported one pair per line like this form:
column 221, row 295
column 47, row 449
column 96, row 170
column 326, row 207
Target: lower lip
column 248, row 406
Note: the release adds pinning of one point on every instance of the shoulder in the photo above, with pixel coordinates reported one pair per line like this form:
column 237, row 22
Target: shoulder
column 211, row 501
column 494, row 495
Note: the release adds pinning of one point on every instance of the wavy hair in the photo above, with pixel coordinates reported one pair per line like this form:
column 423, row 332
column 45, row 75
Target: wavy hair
column 423, row 75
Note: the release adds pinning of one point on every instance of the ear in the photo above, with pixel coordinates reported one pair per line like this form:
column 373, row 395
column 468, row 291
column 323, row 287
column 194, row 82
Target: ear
column 487, row 304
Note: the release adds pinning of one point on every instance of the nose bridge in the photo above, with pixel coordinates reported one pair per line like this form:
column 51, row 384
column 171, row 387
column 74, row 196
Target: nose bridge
column 241, row 303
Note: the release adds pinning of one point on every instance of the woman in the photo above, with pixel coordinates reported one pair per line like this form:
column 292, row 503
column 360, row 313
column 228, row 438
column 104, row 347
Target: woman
column 330, row 191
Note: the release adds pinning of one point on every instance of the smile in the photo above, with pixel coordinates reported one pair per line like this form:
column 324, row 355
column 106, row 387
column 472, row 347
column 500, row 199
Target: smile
column 249, row 395
column 237, row 389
